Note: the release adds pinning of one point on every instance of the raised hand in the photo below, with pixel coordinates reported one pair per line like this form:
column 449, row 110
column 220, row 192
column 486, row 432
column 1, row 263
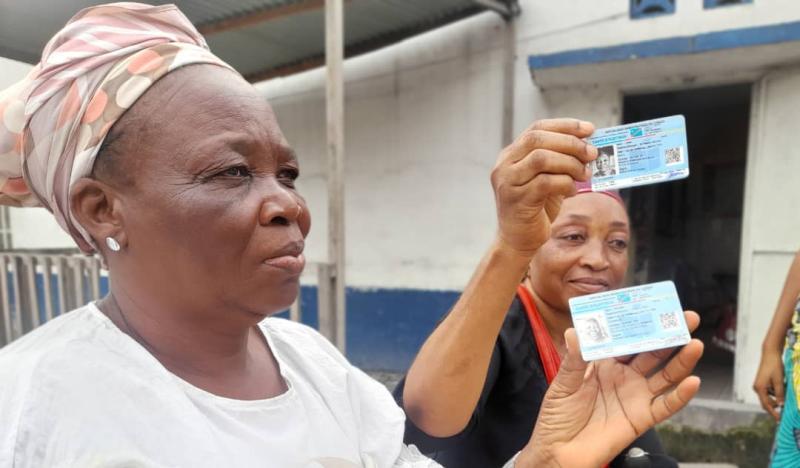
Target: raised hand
column 593, row 411
column 534, row 174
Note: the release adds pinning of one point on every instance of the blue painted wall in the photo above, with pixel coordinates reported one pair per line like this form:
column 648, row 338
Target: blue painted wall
column 718, row 40
column 385, row 327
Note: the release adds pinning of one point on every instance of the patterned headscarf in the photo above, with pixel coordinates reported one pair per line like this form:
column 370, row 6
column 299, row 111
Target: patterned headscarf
column 54, row 121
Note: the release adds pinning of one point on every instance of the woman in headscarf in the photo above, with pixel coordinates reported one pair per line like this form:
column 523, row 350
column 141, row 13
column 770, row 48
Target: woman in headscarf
column 473, row 393
column 153, row 153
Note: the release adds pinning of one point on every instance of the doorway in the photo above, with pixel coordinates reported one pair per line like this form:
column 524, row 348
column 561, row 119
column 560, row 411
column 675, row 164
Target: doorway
column 689, row 231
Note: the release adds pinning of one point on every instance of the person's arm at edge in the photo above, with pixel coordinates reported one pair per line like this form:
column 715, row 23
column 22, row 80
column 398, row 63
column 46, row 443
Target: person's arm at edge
column 441, row 393
column 783, row 312
column 770, row 374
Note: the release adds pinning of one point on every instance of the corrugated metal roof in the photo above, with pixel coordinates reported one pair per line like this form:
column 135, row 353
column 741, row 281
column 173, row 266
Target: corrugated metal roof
column 260, row 38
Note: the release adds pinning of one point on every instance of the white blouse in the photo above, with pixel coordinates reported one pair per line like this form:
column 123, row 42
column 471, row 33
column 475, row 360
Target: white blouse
column 79, row 392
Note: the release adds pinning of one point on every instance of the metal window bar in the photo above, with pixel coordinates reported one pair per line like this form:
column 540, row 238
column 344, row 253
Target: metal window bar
column 62, row 284
column 34, row 288
column 6, row 306
column 77, row 275
column 46, row 264
column 28, row 304
column 15, row 322
column 94, row 278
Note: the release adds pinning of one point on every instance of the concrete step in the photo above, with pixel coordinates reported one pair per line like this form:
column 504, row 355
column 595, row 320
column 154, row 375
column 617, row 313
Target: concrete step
column 717, row 415
column 706, row 465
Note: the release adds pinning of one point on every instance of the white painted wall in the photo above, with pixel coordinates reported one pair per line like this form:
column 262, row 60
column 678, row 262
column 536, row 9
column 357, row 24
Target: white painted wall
column 772, row 222
column 31, row 228
column 423, row 131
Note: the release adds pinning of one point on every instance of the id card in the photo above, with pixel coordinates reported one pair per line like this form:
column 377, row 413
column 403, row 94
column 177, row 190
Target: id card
column 640, row 153
column 629, row 321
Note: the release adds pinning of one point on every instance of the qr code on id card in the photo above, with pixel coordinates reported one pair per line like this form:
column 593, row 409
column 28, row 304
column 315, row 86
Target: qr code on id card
column 669, row 321
column 673, row 155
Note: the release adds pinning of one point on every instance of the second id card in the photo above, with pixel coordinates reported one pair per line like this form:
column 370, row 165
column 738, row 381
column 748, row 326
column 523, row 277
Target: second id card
column 640, row 153
column 629, row 321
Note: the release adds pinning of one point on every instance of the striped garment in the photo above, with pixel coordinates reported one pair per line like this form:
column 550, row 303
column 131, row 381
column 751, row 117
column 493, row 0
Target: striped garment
column 54, row 121
column 786, row 452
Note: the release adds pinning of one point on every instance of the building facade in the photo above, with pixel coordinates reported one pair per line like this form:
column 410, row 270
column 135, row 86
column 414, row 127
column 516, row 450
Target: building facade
column 425, row 123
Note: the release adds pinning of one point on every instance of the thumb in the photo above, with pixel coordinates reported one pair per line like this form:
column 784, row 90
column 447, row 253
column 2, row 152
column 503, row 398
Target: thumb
column 573, row 369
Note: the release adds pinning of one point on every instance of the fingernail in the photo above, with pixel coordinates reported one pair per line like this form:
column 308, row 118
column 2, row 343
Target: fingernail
column 592, row 151
column 587, row 125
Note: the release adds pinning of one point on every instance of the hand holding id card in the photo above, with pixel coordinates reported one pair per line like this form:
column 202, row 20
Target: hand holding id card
column 640, row 153
column 629, row 321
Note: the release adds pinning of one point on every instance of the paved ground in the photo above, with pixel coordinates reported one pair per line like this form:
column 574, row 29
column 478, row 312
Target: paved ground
column 706, row 465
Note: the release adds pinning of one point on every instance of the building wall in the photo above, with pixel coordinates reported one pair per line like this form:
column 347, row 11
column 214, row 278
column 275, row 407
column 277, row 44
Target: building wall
column 423, row 130
column 771, row 226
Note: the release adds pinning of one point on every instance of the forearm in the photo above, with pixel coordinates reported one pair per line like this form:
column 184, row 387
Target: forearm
column 445, row 381
column 783, row 312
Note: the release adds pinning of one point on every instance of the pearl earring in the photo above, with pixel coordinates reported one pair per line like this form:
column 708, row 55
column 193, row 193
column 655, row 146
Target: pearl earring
column 113, row 244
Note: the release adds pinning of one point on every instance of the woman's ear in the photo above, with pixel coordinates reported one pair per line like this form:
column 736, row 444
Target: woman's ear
column 96, row 207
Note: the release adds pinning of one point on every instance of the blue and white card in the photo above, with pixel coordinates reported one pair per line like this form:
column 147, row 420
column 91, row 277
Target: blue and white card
column 629, row 321
column 640, row 153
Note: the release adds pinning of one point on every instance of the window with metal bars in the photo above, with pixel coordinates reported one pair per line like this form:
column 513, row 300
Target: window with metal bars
column 649, row 8
column 708, row 4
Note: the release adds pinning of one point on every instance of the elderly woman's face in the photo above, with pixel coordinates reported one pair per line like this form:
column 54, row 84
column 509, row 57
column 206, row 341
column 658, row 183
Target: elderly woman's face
column 587, row 251
column 211, row 216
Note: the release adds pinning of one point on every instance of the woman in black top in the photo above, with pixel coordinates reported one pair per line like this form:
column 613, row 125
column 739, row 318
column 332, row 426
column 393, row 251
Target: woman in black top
column 585, row 253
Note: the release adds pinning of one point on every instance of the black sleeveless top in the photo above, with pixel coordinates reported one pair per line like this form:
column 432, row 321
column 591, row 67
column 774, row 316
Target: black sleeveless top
column 503, row 420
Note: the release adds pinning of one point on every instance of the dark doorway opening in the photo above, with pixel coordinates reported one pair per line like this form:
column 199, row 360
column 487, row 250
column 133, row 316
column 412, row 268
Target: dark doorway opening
column 690, row 231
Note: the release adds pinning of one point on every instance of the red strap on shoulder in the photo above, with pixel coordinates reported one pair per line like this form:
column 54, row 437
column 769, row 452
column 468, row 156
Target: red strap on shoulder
column 551, row 361
column 548, row 354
